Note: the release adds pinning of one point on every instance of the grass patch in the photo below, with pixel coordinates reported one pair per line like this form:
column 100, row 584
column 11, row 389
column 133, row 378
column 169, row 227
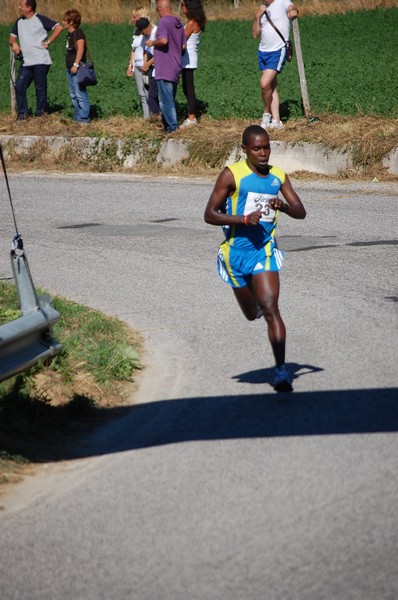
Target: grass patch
column 338, row 50
column 98, row 344
column 94, row 372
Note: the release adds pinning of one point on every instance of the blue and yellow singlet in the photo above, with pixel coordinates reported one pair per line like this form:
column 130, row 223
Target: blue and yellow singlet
column 252, row 193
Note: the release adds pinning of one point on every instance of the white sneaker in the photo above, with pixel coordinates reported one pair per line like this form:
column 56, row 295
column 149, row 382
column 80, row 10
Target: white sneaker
column 282, row 380
column 266, row 120
column 188, row 122
column 275, row 124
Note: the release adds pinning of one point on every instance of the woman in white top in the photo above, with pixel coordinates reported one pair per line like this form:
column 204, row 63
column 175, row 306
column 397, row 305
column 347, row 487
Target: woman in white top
column 139, row 19
column 149, row 70
column 193, row 10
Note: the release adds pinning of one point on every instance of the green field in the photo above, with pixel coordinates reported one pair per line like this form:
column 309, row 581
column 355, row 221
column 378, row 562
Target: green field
column 350, row 63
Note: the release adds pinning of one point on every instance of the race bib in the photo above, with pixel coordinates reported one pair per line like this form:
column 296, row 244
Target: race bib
column 257, row 202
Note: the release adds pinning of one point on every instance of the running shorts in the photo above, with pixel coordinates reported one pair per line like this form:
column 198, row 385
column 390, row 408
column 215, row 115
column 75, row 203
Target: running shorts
column 237, row 266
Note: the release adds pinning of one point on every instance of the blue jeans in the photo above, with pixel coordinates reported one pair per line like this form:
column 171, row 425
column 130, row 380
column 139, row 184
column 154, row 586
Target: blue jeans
column 80, row 99
column 167, row 92
column 38, row 74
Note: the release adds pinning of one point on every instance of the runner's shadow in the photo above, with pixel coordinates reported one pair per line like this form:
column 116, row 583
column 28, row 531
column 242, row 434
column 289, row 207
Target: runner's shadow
column 267, row 375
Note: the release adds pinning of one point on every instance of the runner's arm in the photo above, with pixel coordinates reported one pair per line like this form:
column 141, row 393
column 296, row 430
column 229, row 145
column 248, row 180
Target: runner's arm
column 224, row 187
column 293, row 205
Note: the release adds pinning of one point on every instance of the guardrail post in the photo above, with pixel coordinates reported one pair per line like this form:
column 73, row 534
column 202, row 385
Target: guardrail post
column 28, row 300
column 27, row 340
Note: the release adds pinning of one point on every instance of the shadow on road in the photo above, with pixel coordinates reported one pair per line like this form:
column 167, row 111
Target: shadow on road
column 243, row 416
column 337, row 412
column 267, row 375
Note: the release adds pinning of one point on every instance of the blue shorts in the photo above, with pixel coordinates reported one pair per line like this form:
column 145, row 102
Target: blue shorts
column 236, row 266
column 272, row 60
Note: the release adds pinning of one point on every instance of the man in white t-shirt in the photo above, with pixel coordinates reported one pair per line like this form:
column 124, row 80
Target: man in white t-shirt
column 272, row 54
column 34, row 33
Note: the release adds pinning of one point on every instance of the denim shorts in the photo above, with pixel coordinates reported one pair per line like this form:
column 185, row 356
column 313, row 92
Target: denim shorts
column 272, row 60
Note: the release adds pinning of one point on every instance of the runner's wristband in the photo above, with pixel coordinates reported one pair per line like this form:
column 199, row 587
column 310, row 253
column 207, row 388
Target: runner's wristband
column 246, row 220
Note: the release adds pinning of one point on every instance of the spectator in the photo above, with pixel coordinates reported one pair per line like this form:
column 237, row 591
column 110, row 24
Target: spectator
column 169, row 45
column 139, row 18
column 75, row 53
column 272, row 54
column 195, row 14
column 149, row 70
column 31, row 30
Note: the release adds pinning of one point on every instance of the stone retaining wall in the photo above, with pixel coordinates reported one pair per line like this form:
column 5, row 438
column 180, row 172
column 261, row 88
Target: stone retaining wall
column 313, row 158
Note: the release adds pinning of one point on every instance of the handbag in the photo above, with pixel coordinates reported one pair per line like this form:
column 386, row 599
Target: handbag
column 85, row 73
column 288, row 43
column 289, row 50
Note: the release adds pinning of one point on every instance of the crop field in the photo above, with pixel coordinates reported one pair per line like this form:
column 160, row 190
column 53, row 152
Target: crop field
column 350, row 64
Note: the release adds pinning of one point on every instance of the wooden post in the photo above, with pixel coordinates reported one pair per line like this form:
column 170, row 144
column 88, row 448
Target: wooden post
column 12, row 80
column 300, row 66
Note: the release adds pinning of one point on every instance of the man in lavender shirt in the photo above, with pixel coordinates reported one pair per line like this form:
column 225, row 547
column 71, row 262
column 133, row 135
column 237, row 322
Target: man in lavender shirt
column 168, row 48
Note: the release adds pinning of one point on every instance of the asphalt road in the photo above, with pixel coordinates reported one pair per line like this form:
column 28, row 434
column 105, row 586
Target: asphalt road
column 213, row 486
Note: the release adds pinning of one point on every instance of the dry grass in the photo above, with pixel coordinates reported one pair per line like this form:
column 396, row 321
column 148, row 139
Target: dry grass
column 368, row 138
column 12, row 470
column 119, row 11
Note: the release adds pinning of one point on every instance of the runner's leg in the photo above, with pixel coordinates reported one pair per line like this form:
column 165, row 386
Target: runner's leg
column 247, row 301
column 266, row 290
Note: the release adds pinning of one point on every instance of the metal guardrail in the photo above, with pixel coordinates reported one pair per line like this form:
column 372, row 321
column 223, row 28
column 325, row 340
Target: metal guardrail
column 28, row 339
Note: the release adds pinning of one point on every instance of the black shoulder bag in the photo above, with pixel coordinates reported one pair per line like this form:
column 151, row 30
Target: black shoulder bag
column 288, row 44
column 85, row 73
